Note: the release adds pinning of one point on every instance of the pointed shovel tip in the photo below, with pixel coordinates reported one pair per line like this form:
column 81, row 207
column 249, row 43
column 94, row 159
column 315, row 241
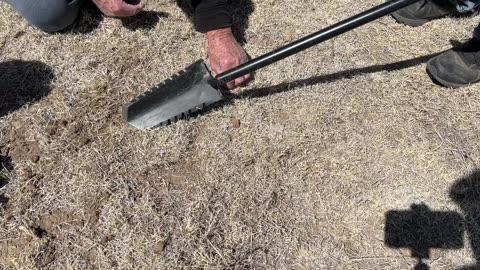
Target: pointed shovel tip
column 173, row 99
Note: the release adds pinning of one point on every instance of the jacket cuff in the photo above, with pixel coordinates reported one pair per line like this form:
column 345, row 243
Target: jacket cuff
column 212, row 15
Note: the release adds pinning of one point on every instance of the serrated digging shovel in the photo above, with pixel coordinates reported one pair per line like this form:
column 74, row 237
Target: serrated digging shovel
column 194, row 88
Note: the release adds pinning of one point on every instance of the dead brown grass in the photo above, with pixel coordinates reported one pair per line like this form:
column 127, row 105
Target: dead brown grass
column 302, row 180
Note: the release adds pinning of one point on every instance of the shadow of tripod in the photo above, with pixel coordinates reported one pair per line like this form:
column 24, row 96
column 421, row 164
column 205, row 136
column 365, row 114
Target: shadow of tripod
column 420, row 229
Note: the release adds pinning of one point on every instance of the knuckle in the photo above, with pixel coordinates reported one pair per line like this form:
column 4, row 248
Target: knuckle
column 229, row 62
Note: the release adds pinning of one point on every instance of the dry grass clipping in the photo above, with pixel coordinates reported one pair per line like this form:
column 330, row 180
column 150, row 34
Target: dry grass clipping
column 320, row 147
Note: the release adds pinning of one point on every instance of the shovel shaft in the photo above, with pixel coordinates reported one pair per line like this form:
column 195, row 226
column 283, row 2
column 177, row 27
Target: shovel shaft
column 313, row 39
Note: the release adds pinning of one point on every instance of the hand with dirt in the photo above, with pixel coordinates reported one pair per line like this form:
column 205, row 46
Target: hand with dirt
column 224, row 53
column 119, row 8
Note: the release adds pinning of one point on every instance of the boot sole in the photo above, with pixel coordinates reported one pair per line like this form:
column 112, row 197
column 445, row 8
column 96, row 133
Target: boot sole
column 434, row 75
column 407, row 21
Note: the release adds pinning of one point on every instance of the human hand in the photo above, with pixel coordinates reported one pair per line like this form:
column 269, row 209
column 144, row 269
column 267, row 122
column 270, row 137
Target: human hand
column 224, row 53
column 119, row 8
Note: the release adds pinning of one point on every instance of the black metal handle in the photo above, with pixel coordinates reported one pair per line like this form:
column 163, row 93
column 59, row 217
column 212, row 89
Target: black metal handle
column 313, row 39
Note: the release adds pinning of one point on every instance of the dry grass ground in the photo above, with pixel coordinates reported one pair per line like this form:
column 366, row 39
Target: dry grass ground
column 321, row 147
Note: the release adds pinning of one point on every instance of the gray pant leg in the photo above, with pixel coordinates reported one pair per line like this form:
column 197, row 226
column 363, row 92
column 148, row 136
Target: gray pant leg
column 48, row 15
column 468, row 6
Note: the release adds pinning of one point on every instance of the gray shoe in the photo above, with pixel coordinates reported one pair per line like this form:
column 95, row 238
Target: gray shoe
column 457, row 67
column 423, row 11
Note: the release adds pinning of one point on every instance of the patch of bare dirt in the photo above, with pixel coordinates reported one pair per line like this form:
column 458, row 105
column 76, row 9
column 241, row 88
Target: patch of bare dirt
column 20, row 148
column 30, row 246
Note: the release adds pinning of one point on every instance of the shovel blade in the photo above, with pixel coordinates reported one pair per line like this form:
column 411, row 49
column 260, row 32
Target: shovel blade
column 174, row 99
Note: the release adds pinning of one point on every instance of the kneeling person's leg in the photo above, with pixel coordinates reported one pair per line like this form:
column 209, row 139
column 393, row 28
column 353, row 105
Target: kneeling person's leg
column 48, row 15
column 465, row 5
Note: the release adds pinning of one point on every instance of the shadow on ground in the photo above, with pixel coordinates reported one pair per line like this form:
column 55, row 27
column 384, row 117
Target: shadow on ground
column 346, row 74
column 421, row 229
column 23, row 82
column 466, row 194
column 90, row 18
column 240, row 10
column 145, row 20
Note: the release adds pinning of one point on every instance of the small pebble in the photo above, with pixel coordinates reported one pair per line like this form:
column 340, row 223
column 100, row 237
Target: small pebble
column 235, row 122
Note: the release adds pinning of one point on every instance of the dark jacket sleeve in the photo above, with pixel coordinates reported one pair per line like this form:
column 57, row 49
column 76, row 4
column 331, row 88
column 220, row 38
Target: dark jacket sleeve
column 211, row 15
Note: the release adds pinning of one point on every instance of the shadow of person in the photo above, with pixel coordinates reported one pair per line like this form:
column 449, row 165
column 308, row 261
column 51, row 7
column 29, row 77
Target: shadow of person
column 466, row 194
column 145, row 20
column 240, row 10
column 23, row 82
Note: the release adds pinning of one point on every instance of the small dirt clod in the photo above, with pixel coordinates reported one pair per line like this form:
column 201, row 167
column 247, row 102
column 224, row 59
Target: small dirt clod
column 236, row 122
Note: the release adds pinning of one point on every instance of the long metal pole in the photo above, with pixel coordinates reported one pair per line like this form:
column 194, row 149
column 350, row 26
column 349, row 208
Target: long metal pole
column 313, row 39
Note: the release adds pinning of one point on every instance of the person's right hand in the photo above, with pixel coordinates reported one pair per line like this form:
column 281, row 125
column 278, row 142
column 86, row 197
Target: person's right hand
column 225, row 53
column 119, row 8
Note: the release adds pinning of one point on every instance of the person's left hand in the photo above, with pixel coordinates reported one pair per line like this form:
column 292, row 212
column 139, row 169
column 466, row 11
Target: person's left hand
column 224, row 53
